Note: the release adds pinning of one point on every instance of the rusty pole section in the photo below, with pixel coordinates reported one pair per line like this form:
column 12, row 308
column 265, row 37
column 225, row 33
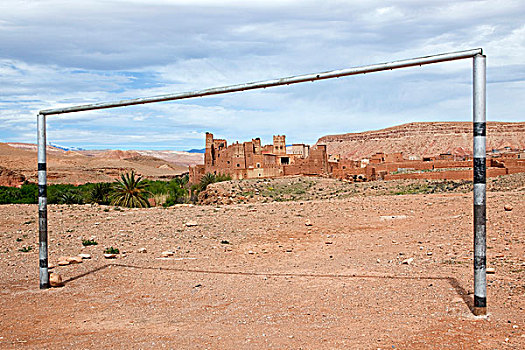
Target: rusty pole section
column 275, row 82
column 480, row 198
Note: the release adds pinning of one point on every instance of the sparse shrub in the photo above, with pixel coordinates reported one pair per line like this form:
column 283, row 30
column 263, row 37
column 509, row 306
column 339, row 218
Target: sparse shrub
column 225, row 242
column 26, row 249
column 167, row 193
column 111, row 250
column 87, row 242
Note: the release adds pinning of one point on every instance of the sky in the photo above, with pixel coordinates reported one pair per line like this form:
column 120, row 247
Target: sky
column 56, row 53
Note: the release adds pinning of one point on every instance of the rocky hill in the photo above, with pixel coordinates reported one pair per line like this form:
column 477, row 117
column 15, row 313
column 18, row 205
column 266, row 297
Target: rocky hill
column 18, row 163
column 424, row 139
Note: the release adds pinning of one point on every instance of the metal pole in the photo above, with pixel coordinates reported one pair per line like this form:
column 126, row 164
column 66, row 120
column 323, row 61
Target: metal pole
column 275, row 82
column 42, row 202
column 480, row 259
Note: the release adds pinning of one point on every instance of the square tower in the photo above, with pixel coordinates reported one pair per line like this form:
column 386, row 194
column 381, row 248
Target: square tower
column 279, row 145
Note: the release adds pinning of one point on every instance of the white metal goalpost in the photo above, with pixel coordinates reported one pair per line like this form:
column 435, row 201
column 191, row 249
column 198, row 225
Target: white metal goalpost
column 479, row 146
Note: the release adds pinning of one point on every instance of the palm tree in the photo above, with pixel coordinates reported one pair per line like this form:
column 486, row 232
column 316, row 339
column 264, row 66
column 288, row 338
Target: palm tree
column 207, row 179
column 99, row 193
column 130, row 192
column 70, row 197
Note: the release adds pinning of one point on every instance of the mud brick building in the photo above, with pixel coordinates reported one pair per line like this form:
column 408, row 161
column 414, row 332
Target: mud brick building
column 381, row 166
column 252, row 160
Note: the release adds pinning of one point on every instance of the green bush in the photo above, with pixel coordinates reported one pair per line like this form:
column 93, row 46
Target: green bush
column 100, row 193
column 175, row 190
column 27, row 194
column 111, row 250
column 26, row 249
column 87, row 242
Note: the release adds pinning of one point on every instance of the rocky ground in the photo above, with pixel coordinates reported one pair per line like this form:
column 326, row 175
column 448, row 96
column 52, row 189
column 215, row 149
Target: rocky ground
column 362, row 272
column 293, row 188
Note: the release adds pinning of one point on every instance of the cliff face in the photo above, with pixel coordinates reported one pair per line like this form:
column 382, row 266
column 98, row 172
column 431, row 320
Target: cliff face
column 424, row 139
column 10, row 178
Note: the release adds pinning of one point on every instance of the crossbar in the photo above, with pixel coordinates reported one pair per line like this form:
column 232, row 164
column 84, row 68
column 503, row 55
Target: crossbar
column 452, row 56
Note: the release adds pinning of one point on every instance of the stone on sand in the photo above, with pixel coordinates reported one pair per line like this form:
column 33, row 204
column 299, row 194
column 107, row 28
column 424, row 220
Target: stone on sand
column 55, row 280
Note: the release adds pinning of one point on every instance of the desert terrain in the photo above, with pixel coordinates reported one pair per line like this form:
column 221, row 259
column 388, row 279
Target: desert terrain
column 286, row 263
column 18, row 164
column 364, row 271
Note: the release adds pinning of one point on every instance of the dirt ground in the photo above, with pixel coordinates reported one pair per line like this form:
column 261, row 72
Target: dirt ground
column 255, row 276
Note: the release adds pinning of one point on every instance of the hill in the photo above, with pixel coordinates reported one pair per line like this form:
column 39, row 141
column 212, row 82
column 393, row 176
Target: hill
column 424, row 139
column 18, row 163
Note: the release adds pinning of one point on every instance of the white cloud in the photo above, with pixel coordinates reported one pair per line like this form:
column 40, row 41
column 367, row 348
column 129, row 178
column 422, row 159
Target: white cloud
column 58, row 53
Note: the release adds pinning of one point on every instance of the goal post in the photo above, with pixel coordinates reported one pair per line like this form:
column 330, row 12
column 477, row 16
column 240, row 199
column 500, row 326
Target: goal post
column 479, row 145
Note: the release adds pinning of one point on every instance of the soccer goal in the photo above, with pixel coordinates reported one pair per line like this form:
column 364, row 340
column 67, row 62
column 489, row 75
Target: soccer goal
column 479, row 145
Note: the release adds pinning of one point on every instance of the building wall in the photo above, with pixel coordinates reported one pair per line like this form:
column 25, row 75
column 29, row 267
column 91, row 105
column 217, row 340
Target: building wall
column 250, row 159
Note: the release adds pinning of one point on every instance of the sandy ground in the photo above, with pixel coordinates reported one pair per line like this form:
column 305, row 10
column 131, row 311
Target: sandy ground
column 255, row 276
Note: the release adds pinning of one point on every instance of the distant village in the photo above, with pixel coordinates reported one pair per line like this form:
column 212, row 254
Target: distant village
column 252, row 160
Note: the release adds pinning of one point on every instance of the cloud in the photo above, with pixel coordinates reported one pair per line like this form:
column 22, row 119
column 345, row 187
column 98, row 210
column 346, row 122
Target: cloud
column 59, row 53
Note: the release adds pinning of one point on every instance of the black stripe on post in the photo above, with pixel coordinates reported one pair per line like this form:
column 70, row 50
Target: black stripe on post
column 479, row 170
column 42, row 167
column 44, row 263
column 42, row 190
column 480, row 301
column 480, row 213
column 480, row 129
column 42, row 214
column 42, row 218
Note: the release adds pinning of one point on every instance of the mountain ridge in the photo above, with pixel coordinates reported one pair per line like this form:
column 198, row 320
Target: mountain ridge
column 420, row 139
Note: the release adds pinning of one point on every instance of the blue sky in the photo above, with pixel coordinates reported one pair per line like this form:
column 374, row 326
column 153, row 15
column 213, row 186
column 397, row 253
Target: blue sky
column 59, row 53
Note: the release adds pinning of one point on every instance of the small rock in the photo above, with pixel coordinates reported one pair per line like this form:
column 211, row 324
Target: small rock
column 191, row 223
column 508, row 207
column 85, row 256
column 429, row 253
column 74, row 260
column 110, row 256
column 55, row 280
column 167, row 254
column 251, row 252
column 308, row 223
column 407, row 261
column 63, row 263
column 491, row 270
column 142, row 250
